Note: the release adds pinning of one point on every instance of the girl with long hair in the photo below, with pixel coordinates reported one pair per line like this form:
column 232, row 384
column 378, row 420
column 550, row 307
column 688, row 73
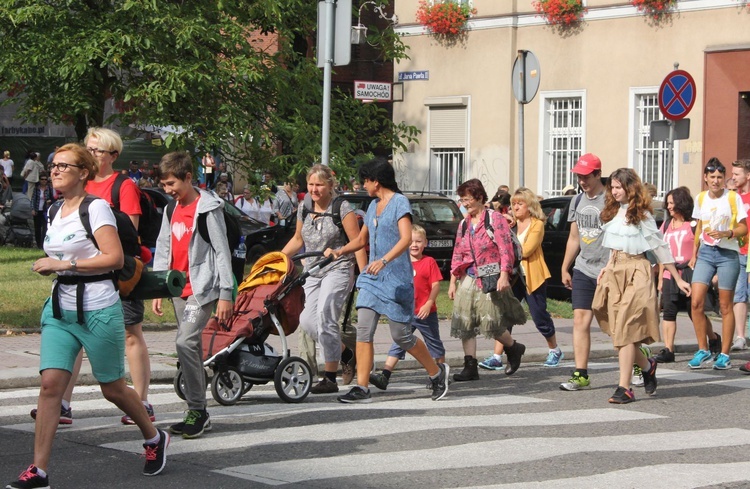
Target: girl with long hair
column 625, row 299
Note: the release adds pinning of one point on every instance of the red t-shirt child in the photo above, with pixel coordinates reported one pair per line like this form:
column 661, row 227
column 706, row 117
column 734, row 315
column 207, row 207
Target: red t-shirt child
column 426, row 273
column 130, row 196
column 183, row 222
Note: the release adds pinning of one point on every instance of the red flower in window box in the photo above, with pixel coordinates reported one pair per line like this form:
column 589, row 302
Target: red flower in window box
column 562, row 13
column 444, row 19
column 656, row 9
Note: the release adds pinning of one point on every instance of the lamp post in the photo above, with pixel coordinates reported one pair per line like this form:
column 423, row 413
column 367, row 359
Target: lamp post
column 359, row 31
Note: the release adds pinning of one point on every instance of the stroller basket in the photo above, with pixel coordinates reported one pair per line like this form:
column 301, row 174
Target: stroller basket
column 270, row 288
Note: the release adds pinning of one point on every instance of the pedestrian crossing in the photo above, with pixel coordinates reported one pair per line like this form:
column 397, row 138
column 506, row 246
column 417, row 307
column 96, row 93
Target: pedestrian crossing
column 501, row 432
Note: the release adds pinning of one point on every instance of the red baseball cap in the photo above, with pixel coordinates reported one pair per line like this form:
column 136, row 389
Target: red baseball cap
column 587, row 164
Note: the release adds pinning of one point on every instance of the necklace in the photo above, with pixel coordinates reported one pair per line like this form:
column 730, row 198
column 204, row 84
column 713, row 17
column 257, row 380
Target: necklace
column 380, row 208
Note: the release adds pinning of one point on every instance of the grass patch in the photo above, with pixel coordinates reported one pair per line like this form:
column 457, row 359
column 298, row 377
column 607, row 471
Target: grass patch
column 23, row 292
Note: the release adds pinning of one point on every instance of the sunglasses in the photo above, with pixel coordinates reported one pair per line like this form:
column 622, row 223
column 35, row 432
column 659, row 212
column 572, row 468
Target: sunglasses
column 713, row 168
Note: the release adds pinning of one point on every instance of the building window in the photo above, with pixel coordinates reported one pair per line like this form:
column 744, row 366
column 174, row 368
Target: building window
column 653, row 161
column 562, row 140
column 448, row 142
column 448, row 164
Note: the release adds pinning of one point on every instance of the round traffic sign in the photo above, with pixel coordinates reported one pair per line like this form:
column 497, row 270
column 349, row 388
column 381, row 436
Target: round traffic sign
column 677, row 95
column 526, row 76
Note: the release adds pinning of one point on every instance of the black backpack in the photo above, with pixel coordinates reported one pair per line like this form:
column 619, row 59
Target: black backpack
column 517, row 247
column 231, row 221
column 335, row 214
column 128, row 276
column 149, row 223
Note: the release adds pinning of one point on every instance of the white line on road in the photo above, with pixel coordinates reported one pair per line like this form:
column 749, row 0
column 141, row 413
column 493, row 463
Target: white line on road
column 483, row 454
column 681, row 476
column 368, row 428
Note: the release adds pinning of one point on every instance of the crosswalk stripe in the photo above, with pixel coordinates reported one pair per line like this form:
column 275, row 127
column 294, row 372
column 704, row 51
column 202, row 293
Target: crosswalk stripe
column 320, row 433
column 483, row 455
column 665, row 373
column 263, row 401
column 742, row 383
column 681, row 476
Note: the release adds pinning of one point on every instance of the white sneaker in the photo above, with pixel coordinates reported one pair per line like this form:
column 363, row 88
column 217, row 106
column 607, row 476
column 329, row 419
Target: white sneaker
column 739, row 343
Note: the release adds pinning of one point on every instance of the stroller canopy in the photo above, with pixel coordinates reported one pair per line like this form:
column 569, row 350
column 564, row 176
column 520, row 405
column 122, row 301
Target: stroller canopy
column 271, row 268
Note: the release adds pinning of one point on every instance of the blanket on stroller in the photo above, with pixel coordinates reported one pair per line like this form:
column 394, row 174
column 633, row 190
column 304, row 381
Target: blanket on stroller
column 272, row 279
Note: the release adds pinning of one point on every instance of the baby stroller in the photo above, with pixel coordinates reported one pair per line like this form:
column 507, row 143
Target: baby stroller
column 19, row 232
column 269, row 301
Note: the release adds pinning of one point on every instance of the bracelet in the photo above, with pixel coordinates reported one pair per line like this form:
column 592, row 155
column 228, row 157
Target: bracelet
column 731, row 234
column 385, row 262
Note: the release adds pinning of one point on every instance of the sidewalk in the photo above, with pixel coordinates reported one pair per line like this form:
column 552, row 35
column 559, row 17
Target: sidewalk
column 19, row 355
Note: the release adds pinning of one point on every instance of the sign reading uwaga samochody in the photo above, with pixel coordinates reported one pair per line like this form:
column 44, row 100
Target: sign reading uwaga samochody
column 371, row 90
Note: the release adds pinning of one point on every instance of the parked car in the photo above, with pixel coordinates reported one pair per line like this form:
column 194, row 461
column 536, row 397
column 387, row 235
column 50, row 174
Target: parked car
column 260, row 238
column 556, row 231
column 436, row 213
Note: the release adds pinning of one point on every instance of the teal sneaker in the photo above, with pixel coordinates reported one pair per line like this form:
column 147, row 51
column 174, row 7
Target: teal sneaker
column 722, row 362
column 554, row 357
column 700, row 358
column 576, row 382
column 491, row 363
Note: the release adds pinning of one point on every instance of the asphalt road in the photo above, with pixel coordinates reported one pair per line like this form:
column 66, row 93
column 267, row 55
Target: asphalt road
column 501, row 432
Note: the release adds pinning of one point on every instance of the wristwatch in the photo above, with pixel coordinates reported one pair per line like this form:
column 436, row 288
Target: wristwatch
column 73, row 265
column 385, row 262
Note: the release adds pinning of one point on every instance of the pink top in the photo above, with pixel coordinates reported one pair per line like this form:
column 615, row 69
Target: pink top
column 681, row 241
column 486, row 251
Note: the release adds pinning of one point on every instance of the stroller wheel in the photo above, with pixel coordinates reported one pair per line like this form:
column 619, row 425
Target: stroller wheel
column 293, row 379
column 246, row 387
column 227, row 387
column 179, row 383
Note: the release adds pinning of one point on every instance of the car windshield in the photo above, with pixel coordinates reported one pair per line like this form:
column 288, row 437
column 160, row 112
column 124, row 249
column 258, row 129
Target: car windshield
column 435, row 211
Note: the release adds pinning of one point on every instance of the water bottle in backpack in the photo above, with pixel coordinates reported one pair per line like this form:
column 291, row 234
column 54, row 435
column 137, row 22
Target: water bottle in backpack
column 241, row 251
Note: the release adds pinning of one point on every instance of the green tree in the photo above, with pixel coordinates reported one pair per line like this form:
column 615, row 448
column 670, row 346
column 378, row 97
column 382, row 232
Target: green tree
column 187, row 64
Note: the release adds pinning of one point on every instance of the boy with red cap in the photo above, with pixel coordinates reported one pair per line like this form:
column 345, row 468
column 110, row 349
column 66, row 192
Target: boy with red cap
column 585, row 247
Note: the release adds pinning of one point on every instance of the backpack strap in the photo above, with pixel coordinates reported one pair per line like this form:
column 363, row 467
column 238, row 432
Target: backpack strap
column 701, row 196
column 733, row 206
column 488, row 226
column 203, row 229
column 116, row 190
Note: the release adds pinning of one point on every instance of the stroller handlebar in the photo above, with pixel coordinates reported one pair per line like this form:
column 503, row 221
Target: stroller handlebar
column 316, row 266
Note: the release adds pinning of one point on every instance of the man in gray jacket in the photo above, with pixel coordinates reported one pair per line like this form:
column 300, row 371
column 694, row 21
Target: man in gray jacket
column 207, row 262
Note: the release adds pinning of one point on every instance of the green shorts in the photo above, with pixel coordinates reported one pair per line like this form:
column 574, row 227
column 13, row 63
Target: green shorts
column 102, row 336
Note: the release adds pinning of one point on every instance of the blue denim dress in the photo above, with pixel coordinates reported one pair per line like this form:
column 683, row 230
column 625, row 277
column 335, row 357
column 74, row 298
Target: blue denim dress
column 390, row 292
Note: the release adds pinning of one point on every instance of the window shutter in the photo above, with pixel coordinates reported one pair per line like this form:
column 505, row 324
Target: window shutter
column 448, row 127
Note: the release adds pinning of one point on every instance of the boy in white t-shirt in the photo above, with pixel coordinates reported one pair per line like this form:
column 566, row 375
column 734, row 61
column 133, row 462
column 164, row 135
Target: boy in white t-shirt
column 719, row 224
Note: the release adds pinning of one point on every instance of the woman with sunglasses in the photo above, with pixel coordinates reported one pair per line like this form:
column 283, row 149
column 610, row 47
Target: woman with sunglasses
column 84, row 278
column 716, row 252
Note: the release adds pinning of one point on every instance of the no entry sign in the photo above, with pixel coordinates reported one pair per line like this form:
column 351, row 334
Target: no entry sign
column 677, row 95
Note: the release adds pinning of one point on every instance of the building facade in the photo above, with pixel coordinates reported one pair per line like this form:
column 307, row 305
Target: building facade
column 598, row 93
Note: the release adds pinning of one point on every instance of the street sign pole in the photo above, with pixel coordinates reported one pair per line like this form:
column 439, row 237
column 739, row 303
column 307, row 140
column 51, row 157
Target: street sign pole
column 327, row 68
column 333, row 49
column 525, row 81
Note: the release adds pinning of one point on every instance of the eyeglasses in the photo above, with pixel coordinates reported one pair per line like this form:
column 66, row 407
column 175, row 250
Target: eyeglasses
column 713, row 168
column 466, row 200
column 62, row 167
column 100, row 152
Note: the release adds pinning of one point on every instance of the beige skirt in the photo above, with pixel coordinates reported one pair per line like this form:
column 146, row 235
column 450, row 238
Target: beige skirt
column 475, row 311
column 625, row 303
